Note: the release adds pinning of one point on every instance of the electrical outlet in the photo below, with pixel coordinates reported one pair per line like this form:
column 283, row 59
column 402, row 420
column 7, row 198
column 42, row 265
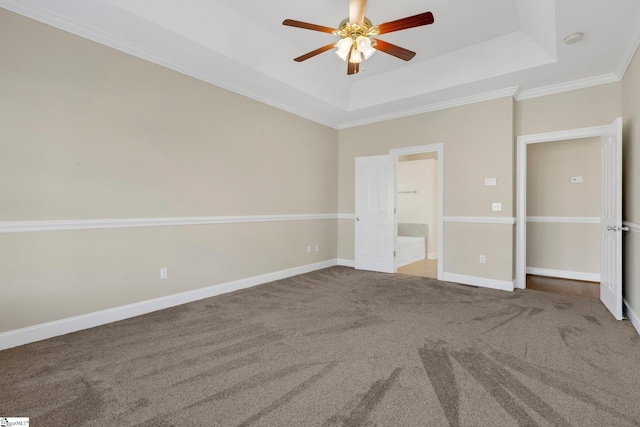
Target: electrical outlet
column 483, row 259
column 308, row 249
column 317, row 248
column 163, row 273
column 496, row 206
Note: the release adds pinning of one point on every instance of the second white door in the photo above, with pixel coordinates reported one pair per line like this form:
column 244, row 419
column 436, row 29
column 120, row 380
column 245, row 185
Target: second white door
column 374, row 227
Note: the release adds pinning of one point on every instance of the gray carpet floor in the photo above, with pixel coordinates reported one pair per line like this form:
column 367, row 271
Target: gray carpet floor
column 339, row 347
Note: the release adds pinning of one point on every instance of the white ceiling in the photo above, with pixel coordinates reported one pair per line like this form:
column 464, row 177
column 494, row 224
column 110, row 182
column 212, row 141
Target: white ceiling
column 474, row 50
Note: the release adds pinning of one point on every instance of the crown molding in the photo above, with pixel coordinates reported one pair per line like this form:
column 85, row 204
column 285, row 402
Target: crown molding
column 568, row 86
column 458, row 102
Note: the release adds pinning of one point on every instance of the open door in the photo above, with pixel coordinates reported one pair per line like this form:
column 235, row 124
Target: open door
column 374, row 234
column 611, row 219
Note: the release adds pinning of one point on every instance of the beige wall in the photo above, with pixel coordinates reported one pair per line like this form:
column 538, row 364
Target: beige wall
column 593, row 106
column 631, row 181
column 478, row 143
column 550, row 167
column 88, row 132
column 566, row 247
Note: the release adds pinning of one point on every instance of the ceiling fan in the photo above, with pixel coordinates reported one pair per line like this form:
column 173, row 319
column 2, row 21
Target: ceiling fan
column 356, row 32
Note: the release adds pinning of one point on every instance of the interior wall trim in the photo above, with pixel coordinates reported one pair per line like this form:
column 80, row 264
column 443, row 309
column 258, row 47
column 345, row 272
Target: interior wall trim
column 458, row 102
column 346, row 262
column 634, row 228
column 481, row 219
column 346, row 216
column 482, row 282
column 563, row 274
column 93, row 224
column 632, row 315
column 566, row 87
column 565, row 219
column 77, row 323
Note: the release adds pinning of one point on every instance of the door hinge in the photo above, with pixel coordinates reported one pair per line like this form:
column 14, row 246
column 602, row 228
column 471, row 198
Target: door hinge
column 394, row 210
column 394, row 254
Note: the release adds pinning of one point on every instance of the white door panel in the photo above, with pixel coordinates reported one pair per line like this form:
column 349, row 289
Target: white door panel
column 374, row 214
column 611, row 219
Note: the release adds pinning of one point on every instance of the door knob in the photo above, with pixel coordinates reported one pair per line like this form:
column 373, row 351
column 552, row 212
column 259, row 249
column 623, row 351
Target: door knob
column 614, row 228
column 357, row 218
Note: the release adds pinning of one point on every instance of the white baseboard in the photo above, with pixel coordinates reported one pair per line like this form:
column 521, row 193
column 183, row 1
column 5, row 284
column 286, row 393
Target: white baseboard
column 410, row 261
column 573, row 275
column 633, row 317
column 346, row 262
column 77, row 323
column 432, row 255
column 482, row 282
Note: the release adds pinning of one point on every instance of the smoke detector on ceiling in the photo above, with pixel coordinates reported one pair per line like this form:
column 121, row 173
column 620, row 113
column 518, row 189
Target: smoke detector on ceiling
column 573, row 38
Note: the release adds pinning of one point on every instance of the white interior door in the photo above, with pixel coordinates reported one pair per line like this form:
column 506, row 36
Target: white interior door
column 375, row 235
column 611, row 221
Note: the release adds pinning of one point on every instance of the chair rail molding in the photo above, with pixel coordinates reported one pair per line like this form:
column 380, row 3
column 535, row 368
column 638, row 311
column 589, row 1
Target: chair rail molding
column 92, row 224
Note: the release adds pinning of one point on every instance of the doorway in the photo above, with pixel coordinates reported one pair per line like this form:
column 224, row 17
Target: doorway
column 419, row 188
column 563, row 216
column 376, row 191
column 417, row 215
column 610, row 213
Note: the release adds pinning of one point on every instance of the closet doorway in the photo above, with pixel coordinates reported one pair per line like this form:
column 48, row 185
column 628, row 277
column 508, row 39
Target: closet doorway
column 610, row 218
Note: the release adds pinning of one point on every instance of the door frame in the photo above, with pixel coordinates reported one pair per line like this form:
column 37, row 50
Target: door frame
column 521, row 189
column 420, row 149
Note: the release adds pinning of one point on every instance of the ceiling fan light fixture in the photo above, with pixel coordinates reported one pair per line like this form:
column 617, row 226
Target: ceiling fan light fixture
column 344, row 47
column 363, row 45
column 356, row 43
column 355, row 57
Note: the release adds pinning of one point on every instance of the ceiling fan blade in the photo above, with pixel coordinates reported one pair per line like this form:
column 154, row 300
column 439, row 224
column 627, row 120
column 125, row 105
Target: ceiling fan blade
column 409, row 22
column 356, row 11
column 307, row 26
column 392, row 49
column 314, row 52
column 352, row 68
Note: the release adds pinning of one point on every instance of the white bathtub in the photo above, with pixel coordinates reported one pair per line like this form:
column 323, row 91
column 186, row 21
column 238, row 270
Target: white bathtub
column 409, row 250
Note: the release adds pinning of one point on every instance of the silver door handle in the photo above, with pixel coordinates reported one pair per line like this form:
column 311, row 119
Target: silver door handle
column 357, row 218
column 613, row 228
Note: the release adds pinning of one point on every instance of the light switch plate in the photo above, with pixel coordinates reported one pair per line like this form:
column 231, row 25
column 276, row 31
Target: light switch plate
column 496, row 206
column 576, row 180
column 490, row 182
